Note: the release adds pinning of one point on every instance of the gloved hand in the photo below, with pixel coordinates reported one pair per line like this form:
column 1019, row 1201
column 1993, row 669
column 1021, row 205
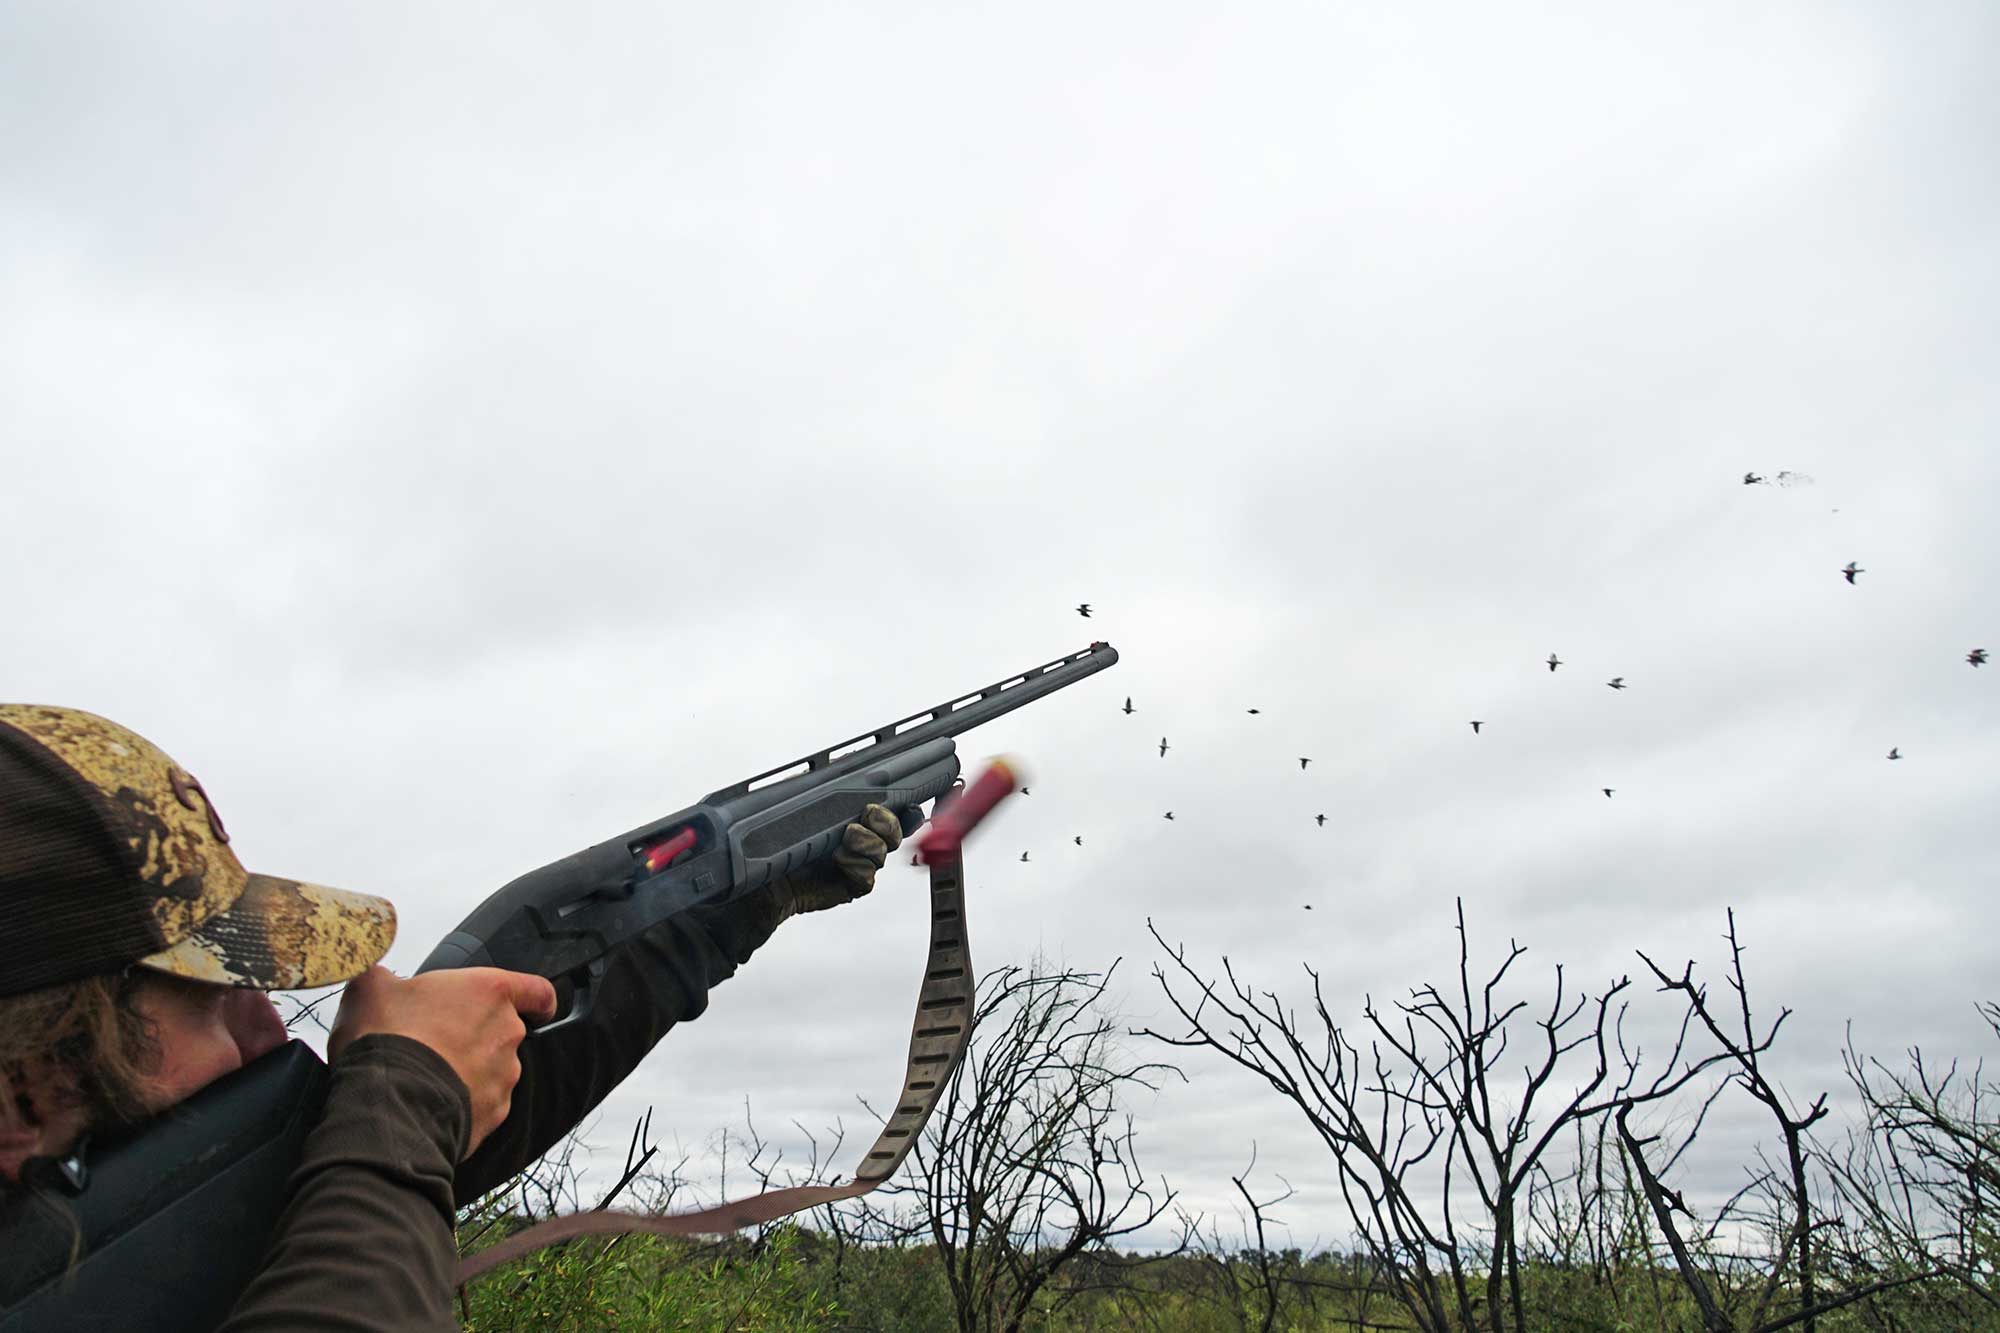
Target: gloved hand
column 847, row 874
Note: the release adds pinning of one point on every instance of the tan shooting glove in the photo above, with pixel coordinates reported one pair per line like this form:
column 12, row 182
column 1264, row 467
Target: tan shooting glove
column 847, row 874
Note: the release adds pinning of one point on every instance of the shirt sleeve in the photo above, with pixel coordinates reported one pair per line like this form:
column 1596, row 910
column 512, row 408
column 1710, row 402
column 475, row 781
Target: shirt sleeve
column 659, row 979
column 366, row 1240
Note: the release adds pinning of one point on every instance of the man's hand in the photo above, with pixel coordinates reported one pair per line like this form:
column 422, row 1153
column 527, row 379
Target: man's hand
column 470, row 1016
column 850, row 872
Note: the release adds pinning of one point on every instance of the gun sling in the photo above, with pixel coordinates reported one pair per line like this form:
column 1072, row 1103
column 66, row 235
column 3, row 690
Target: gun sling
column 938, row 1037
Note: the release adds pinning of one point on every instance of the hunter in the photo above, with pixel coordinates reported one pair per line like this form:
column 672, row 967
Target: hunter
column 140, row 956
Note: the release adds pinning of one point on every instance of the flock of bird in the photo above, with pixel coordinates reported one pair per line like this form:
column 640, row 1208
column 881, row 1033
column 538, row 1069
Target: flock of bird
column 1977, row 657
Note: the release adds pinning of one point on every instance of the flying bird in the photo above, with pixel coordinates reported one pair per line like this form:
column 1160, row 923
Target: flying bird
column 1302, row 763
column 1170, row 814
column 1475, row 728
column 1554, row 661
column 1607, row 792
column 1083, row 609
column 1977, row 657
column 1309, row 907
column 1024, row 856
column 1895, row 752
column 1253, row 710
column 1079, row 840
column 1851, row 570
column 1751, row 479
column 1321, row 819
column 1163, row 747
column 1024, row 791
column 1616, row 682
column 1128, row 704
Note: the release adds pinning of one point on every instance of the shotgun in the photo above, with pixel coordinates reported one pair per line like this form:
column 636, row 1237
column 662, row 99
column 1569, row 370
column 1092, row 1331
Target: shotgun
column 160, row 1229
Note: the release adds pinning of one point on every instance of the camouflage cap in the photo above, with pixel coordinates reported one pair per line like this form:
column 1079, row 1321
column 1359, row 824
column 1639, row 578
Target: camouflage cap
column 111, row 854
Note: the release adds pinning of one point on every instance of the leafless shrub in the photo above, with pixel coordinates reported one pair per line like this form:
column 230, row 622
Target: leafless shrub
column 1426, row 1129
column 1792, row 1288
column 1029, row 1166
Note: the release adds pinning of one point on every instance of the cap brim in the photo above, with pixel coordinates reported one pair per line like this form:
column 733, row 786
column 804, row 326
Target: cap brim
column 284, row 935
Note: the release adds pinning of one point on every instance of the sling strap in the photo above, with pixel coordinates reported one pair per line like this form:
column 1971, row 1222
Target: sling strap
column 938, row 1037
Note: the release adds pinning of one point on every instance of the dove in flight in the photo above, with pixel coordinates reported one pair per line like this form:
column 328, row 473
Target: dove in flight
column 1321, row 819
column 1083, row 609
column 1895, row 752
column 1163, row 747
column 1554, row 661
column 1851, row 570
column 1303, row 761
column 1751, row 479
column 1607, row 792
column 1024, row 856
column 1475, row 728
column 1616, row 682
column 1079, row 840
column 1977, row 657
column 1128, row 705
column 1170, row 814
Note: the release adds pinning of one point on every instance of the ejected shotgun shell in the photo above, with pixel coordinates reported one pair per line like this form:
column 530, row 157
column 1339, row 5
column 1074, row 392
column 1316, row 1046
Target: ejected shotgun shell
column 945, row 837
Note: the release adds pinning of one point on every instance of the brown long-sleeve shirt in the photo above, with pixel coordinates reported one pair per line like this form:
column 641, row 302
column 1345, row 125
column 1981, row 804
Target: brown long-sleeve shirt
column 365, row 1241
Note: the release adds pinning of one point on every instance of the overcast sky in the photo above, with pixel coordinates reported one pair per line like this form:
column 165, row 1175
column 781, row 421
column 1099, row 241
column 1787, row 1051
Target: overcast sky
column 462, row 433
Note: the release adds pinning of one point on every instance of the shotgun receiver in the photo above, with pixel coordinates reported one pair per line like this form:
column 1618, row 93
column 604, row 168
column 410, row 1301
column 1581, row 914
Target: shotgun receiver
column 166, row 1225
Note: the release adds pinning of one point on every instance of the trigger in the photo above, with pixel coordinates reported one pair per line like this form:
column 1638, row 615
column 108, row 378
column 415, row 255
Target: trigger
column 582, row 998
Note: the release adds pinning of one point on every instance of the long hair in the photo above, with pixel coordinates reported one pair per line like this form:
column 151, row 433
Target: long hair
column 79, row 1043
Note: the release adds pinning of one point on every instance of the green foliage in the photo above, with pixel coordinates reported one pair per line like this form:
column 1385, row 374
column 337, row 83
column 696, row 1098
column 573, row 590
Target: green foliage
column 797, row 1281
column 892, row 1289
column 652, row 1282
